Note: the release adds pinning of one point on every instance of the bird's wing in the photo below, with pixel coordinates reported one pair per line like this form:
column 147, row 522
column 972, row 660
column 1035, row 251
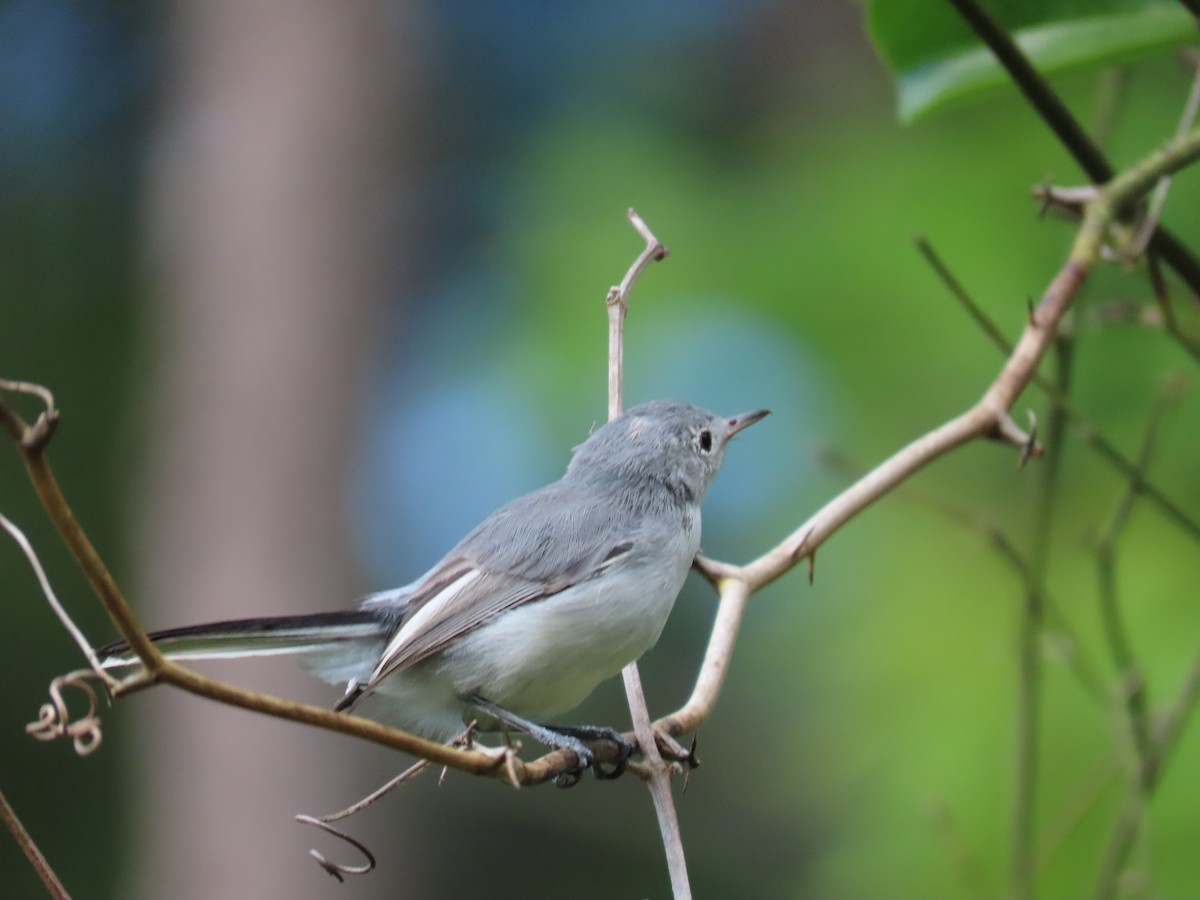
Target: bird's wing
column 532, row 548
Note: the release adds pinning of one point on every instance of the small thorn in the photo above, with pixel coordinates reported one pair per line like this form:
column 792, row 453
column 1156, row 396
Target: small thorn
column 691, row 761
column 812, row 567
column 1030, row 449
column 1033, row 321
column 1044, row 192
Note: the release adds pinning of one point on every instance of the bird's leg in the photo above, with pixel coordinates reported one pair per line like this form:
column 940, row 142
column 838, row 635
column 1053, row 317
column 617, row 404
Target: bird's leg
column 601, row 733
column 562, row 738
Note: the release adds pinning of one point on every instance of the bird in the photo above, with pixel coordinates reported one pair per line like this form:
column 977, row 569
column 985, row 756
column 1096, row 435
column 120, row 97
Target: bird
column 548, row 596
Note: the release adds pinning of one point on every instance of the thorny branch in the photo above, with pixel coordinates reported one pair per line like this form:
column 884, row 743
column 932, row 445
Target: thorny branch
column 988, row 418
column 736, row 583
column 1084, row 429
column 1068, row 130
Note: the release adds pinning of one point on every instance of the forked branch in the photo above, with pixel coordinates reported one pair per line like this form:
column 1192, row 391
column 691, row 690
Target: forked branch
column 987, row 418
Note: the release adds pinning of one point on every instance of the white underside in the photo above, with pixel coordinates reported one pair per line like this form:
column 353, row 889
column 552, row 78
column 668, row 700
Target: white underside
column 539, row 660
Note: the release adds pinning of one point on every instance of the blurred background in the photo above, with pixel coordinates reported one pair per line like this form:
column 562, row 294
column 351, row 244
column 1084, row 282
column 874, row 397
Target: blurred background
column 319, row 285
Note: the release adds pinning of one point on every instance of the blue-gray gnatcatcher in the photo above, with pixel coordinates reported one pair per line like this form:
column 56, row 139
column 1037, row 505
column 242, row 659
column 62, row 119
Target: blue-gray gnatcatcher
column 545, row 598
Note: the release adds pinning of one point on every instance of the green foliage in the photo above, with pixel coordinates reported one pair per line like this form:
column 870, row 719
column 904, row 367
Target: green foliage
column 936, row 60
column 887, row 689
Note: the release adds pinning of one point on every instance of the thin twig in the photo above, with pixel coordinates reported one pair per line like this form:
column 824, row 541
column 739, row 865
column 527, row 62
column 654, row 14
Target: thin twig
column 736, row 583
column 1077, row 662
column 1110, row 92
column 1041, row 97
column 51, row 598
column 160, row 669
column 407, row 775
column 325, row 823
column 659, row 772
column 32, row 440
column 1066, row 127
column 1170, row 323
column 35, row 436
column 1032, row 626
column 959, row 292
column 338, row 870
column 50, row 880
column 1083, row 428
column 1165, row 740
column 1094, row 785
column 1159, row 198
column 1133, row 686
column 617, row 302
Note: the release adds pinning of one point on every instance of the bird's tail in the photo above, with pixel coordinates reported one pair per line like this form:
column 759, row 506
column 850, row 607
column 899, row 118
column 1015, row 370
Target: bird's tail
column 336, row 646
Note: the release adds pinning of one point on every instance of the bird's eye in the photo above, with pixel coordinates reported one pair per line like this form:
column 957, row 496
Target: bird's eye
column 705, row 441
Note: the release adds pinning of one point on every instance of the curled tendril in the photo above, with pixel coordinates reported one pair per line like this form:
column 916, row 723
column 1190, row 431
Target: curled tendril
column 54, row 719
column 337, row 870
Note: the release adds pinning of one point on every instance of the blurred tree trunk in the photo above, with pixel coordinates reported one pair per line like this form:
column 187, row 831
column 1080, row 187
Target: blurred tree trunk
column 271, row 227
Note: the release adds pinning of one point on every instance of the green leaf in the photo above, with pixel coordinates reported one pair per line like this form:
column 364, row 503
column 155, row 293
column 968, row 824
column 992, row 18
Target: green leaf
column 937, row 60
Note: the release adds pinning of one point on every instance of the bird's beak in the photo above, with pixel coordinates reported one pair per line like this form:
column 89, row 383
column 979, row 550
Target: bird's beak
column 745, row 420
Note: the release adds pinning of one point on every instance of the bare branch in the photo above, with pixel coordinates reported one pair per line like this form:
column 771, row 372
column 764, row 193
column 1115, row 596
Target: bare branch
column 1159, row 198
column 617, row 302
column 29, row 437
column 657, row 772
column 50, row 880
column 1083, row 428
column 1067, row 128
column 51, row 598
column 1029, row 641
column 1120, row 647
column 736, row 583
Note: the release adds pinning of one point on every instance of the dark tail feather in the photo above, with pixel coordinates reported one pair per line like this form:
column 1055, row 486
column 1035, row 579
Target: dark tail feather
column 335, row 641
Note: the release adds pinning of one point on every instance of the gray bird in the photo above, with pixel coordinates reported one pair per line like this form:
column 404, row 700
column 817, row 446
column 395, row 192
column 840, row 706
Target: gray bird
column 547, row 597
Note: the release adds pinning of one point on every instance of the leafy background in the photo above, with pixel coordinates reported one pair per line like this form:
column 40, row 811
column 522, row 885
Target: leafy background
column 864, row 746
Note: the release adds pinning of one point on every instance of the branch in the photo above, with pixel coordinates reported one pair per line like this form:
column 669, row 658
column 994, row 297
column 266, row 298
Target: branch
column 618, row 305
column 54, row 887
column 1032, row 626
column 32, row 440
column 1133, row 687
column 659, row 772
column 1067, row 128
column 1084, row 429
column 735, row 583
column 1166, row 738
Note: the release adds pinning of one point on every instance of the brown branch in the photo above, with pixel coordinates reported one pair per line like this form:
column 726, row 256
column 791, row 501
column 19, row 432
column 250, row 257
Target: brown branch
column 735, row 583
column 158, row 669
column 53, row 886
